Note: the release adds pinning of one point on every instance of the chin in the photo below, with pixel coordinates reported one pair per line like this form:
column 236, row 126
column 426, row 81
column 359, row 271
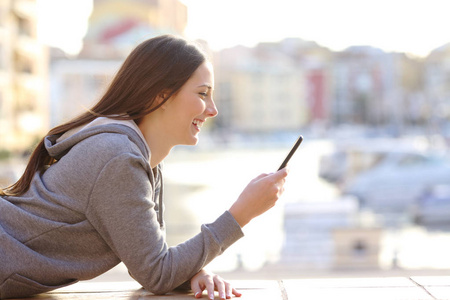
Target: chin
column 192, row 142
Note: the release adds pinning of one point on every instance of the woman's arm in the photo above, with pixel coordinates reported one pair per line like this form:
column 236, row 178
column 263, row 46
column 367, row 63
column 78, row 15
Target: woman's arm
column 121, row 209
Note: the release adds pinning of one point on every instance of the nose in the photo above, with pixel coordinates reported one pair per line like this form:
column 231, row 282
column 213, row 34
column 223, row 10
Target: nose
column 211, row 109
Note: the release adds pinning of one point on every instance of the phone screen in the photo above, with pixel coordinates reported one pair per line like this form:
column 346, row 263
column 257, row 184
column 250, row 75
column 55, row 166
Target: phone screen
column 294, row 148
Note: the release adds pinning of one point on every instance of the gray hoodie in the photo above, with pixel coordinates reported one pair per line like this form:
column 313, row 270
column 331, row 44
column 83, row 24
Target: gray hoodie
column 97, row 206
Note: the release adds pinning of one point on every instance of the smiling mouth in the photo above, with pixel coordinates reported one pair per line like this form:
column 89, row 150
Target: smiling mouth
column 198, row 123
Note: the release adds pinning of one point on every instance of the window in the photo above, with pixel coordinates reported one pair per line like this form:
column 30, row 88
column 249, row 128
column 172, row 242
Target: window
column 3, row 15
column 2, row 58
column 23, row 64
column 24, row 26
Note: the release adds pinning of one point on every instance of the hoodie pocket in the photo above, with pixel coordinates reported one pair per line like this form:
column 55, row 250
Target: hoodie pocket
column 17, row 286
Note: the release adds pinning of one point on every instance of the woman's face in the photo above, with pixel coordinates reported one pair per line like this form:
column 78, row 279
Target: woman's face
column 191, row 106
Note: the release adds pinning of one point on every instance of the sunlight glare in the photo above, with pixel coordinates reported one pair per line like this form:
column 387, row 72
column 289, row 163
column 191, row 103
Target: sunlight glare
column 63, row 23
column 411, row 26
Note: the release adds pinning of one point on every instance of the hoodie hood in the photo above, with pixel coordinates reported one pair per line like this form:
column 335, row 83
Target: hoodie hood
column 58, row 145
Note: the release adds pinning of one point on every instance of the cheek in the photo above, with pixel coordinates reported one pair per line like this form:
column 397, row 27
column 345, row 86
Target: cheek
column 202, row 106
column 198, row 107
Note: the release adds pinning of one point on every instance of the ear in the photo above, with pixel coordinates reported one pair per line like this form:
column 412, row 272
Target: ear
column 161, row 98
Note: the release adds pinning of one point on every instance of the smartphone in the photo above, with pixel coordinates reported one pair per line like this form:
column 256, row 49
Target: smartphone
column 294, row 148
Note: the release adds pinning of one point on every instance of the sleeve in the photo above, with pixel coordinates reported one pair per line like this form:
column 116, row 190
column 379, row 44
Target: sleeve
column 121, row 209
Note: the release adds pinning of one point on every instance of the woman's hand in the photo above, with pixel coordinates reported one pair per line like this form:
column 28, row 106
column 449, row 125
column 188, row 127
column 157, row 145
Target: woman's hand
column 211, row 282
column 259, row 196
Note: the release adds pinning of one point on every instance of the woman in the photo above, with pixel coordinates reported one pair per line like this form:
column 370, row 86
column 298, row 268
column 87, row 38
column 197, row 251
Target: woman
column 91, row 195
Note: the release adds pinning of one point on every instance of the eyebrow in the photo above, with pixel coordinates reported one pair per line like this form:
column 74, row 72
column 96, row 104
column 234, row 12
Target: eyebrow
column 206, row 85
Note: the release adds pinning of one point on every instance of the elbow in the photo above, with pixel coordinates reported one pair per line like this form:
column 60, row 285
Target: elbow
column 158, row 287
column 158, row 290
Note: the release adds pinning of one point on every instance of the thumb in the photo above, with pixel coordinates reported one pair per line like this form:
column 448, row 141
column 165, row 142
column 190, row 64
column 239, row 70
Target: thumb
column 197, row 290
column 198, row 295
column 281, row 173
column 261, row 176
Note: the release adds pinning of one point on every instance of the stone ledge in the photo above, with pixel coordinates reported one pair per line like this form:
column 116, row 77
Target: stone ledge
column 415, row 288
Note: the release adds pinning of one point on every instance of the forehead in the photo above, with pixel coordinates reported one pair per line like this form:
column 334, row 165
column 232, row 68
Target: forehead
column 204, row 75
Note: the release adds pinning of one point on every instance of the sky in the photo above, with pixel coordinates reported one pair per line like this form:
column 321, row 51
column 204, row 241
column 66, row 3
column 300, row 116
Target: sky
column 63, row 23
column 411, row 26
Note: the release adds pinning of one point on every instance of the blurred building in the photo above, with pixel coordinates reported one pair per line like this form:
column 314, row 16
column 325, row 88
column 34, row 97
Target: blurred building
column 24, row 108
column 76, row 84
column 364, row 81
column 288, row 85
column 374, row 88
column 437, row 90
column 115, row 28
column 271, row 88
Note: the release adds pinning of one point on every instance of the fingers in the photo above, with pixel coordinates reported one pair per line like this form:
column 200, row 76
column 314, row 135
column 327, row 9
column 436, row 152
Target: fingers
column 278, row 174
column 259, row 195
column 282, row 173
column 197, row 289
column 275, row 177
column 198, row 284
column 228, row 290
column 220, row 286
column 236, row 293
column 211, row 283
column 210, row 288
column 277, row 181
column 260, row 176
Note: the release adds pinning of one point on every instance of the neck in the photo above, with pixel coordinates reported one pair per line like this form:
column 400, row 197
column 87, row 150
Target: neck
column 157, row 155
column 154, row 136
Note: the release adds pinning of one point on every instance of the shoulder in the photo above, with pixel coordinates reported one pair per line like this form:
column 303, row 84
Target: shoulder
column 86, row 153
column 112, row 141
column 94, row 151
column 108, row 142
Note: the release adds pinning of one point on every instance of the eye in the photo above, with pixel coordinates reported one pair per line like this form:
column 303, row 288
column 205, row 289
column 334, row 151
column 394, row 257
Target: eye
column 203, row 95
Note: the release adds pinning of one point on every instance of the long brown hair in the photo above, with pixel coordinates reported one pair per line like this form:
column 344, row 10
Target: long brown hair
column 163, row 63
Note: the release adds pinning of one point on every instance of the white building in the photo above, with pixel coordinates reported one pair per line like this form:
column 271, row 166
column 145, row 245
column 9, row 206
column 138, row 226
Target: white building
column 259, row 92
column 23, row 77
